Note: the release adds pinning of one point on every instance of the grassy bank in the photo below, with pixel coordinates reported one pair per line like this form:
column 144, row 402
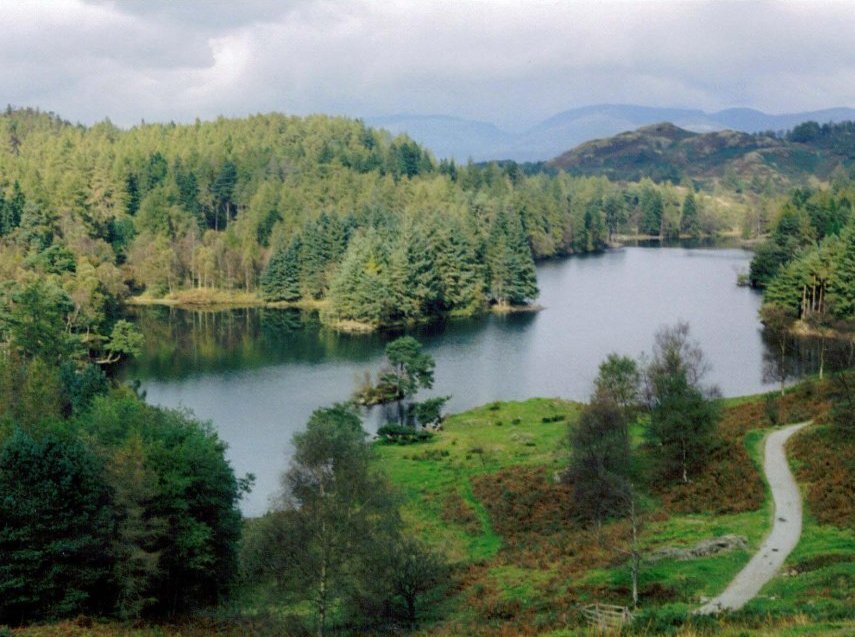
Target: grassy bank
column 485, row 490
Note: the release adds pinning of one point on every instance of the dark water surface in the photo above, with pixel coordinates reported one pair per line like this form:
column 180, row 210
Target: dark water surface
column 258, row 374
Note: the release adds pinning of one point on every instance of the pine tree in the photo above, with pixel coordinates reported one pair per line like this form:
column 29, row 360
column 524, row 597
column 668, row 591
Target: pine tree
column 651, row 211
column 689, row 222
column 841, row 292
column 57, row 521
column 361, row 289
column 281, row 279
column 512, row 278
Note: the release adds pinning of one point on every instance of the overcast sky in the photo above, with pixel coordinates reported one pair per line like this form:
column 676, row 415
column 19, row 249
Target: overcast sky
column 511, row 63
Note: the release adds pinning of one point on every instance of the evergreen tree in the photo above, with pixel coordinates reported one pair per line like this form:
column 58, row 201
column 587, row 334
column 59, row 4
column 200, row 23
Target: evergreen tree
column 460, row 271
column 57, row 526
column 689, row 221
column 413, row 276
column 409, row 370
column 841, row 293
column 281, row 278
column 132, row 194
column 362, row 290
column 513, row 279
column 222, row 191
column 652, row 209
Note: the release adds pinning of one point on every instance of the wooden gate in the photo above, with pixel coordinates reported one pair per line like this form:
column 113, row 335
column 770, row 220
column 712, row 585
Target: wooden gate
column 606, row 616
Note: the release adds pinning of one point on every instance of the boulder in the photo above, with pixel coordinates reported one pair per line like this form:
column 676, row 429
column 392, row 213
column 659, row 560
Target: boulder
column 704, row 548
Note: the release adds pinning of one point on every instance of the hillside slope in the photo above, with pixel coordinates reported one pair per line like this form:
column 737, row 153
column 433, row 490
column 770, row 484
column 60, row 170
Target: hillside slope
column 665, row 151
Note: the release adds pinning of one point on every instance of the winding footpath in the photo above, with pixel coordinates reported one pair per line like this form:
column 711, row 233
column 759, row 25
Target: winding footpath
column 785, row 531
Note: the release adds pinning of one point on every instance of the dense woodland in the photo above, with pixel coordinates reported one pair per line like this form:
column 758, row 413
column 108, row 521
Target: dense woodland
column 110, row 506
column 807, row 265
column 300, row 209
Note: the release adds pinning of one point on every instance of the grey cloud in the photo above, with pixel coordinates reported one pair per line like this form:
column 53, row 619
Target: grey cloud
column 509, row 62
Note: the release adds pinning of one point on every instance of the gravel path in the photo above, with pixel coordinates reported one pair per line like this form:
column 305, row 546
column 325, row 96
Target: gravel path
column 785, row 531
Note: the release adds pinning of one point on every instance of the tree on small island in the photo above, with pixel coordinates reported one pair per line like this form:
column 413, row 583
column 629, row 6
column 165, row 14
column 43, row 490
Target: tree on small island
column 407, row 370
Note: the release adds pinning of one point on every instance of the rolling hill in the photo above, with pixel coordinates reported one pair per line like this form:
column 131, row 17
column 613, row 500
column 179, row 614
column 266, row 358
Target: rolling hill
column 665, row 151
column 463, row 139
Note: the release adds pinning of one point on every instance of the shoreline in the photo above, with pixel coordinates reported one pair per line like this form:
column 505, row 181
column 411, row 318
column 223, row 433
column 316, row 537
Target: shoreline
column 218, row 300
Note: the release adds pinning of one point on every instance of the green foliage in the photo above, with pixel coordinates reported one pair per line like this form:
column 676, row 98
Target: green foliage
column 125, row 341
column 386, row 236
column 57, row 521
column 159, row 478
column 512, row 278
column 281, row 278
column 600, row 461
column 619, row 380
column 337, row 514
column 36, row 319
column 81, row 384
column 651, row 211
column 800, row 261
column 690, row 223
column 411, row 368
column 429, row 411
column 416, row 569
column 403, row 434
column 683, row 417
column 195, row 499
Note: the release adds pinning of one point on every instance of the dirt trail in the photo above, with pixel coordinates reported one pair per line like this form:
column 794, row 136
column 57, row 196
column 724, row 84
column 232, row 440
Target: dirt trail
column 785, row 531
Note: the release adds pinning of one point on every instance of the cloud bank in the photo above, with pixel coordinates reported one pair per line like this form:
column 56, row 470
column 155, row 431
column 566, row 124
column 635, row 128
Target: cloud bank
column 512, row 63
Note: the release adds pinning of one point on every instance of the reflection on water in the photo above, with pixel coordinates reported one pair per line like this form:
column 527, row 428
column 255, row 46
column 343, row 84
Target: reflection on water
column 259, row 373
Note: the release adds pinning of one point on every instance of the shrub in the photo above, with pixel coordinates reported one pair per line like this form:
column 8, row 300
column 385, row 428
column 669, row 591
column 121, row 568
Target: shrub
column 403, row 435
column 661, row 620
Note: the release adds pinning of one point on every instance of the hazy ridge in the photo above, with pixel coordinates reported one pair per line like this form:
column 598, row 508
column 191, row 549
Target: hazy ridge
column 462, row 138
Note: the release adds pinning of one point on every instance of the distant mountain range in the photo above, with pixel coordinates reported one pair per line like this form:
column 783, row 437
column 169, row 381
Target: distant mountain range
column 665, row 151
column 463, row 139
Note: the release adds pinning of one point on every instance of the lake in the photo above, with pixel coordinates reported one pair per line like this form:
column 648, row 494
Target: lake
column 257, row 374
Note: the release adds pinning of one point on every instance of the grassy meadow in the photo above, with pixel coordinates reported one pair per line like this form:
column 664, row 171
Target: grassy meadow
column 486, row 490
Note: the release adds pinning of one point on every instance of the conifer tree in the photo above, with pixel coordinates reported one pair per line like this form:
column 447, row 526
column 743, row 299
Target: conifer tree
column 281, row 279
column 689, row 221
column 652, row 209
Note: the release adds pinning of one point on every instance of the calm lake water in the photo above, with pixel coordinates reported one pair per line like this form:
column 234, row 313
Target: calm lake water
column 258, row 374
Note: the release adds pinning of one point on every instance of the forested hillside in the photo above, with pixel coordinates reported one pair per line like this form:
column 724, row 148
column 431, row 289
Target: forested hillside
column 807, row 266
column 758, row 162
column 298, row 209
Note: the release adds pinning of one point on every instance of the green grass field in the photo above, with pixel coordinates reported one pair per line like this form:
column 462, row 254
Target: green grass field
column 485, row 491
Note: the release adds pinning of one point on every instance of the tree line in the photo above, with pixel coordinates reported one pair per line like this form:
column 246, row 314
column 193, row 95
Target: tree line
column 314, row 208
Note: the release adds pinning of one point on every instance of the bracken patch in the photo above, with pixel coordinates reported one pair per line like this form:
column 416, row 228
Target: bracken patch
column 729, row 483
column 825, row 462
column 524, row 503
column 457, row 510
